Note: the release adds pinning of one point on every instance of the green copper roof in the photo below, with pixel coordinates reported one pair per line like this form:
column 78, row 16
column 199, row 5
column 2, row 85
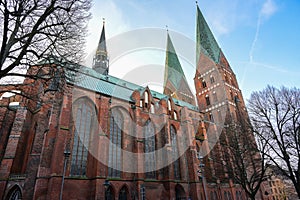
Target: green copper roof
column 206, row 42
column 173, row 69
column 89, row 79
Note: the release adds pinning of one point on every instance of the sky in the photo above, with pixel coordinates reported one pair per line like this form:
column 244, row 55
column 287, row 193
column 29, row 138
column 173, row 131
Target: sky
column 260, row 38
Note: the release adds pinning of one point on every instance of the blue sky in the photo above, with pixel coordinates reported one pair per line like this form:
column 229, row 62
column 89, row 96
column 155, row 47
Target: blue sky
column 260, row 38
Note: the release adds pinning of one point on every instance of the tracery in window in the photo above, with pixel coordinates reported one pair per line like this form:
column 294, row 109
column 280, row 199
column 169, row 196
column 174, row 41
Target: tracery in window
column 175, row 154
column 115, row 145
column 83, row 128
column 149, row 148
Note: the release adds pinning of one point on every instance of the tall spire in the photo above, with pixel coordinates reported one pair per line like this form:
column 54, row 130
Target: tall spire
column 206, row 42
column 175, row 83
column 100, row 61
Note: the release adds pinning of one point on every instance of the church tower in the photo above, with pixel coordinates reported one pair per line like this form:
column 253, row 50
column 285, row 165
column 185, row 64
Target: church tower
column 218, row 96
column 100, row 61
column 175, row 83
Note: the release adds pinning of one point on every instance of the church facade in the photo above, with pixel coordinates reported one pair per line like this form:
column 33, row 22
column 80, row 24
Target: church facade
column 90, row 135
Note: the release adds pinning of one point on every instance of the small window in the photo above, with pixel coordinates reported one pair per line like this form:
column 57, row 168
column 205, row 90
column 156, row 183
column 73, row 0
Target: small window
column 169, row 105
column 207, row 100
column 226, row 78
column 231, row 95
column 141, row 103
column 219, row 116
column 212, row 79
column 211, row 117
column 146, row 98
column 204, row 83
column 175, row 115
column 152, row 110
column 215, row 98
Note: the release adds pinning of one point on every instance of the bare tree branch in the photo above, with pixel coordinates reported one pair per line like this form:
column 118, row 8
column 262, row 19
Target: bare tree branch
column 275, row 116
column 31, row 30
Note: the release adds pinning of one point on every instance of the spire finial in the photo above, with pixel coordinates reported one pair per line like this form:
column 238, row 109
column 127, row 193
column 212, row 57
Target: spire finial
column 103, row 19
column 167, row 28
column 197, row 3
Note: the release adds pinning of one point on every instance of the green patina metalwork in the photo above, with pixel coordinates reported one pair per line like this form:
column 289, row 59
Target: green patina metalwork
column 206, row 43
column 173, row 69
column 89, row 79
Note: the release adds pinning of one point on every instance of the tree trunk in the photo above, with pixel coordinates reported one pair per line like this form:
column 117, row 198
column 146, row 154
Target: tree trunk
column 252, row 196
column 297, row 187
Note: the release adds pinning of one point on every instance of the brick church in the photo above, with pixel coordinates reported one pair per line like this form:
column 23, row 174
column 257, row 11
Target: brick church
column 90, row 135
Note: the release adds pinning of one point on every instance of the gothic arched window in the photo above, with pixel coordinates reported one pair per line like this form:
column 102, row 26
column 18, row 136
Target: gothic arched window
column 150, row 158
column 15, row 193
column 84, row 114
column 109, row 193
column 123, row 193
column 115, row 148
column 175, row 154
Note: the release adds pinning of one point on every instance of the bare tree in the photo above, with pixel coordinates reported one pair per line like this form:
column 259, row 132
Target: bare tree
column 275, row 116
column 34, row 29
column 244, row 163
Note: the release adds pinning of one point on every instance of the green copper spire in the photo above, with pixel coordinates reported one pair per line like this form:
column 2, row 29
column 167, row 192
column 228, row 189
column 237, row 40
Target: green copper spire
column 206, row 42
column 173, row 70
column 175, row 83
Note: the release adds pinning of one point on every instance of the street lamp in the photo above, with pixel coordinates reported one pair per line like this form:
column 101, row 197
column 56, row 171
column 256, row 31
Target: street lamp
column 106, row 187
column 200, row 137
column 66, row 155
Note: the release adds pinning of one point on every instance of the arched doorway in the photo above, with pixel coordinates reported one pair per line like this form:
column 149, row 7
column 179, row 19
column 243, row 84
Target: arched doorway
column 123, row 194
column 15, row 193
column 179, row 193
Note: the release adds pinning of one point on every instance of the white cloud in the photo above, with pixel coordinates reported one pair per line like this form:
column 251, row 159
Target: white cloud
column 268, row 8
